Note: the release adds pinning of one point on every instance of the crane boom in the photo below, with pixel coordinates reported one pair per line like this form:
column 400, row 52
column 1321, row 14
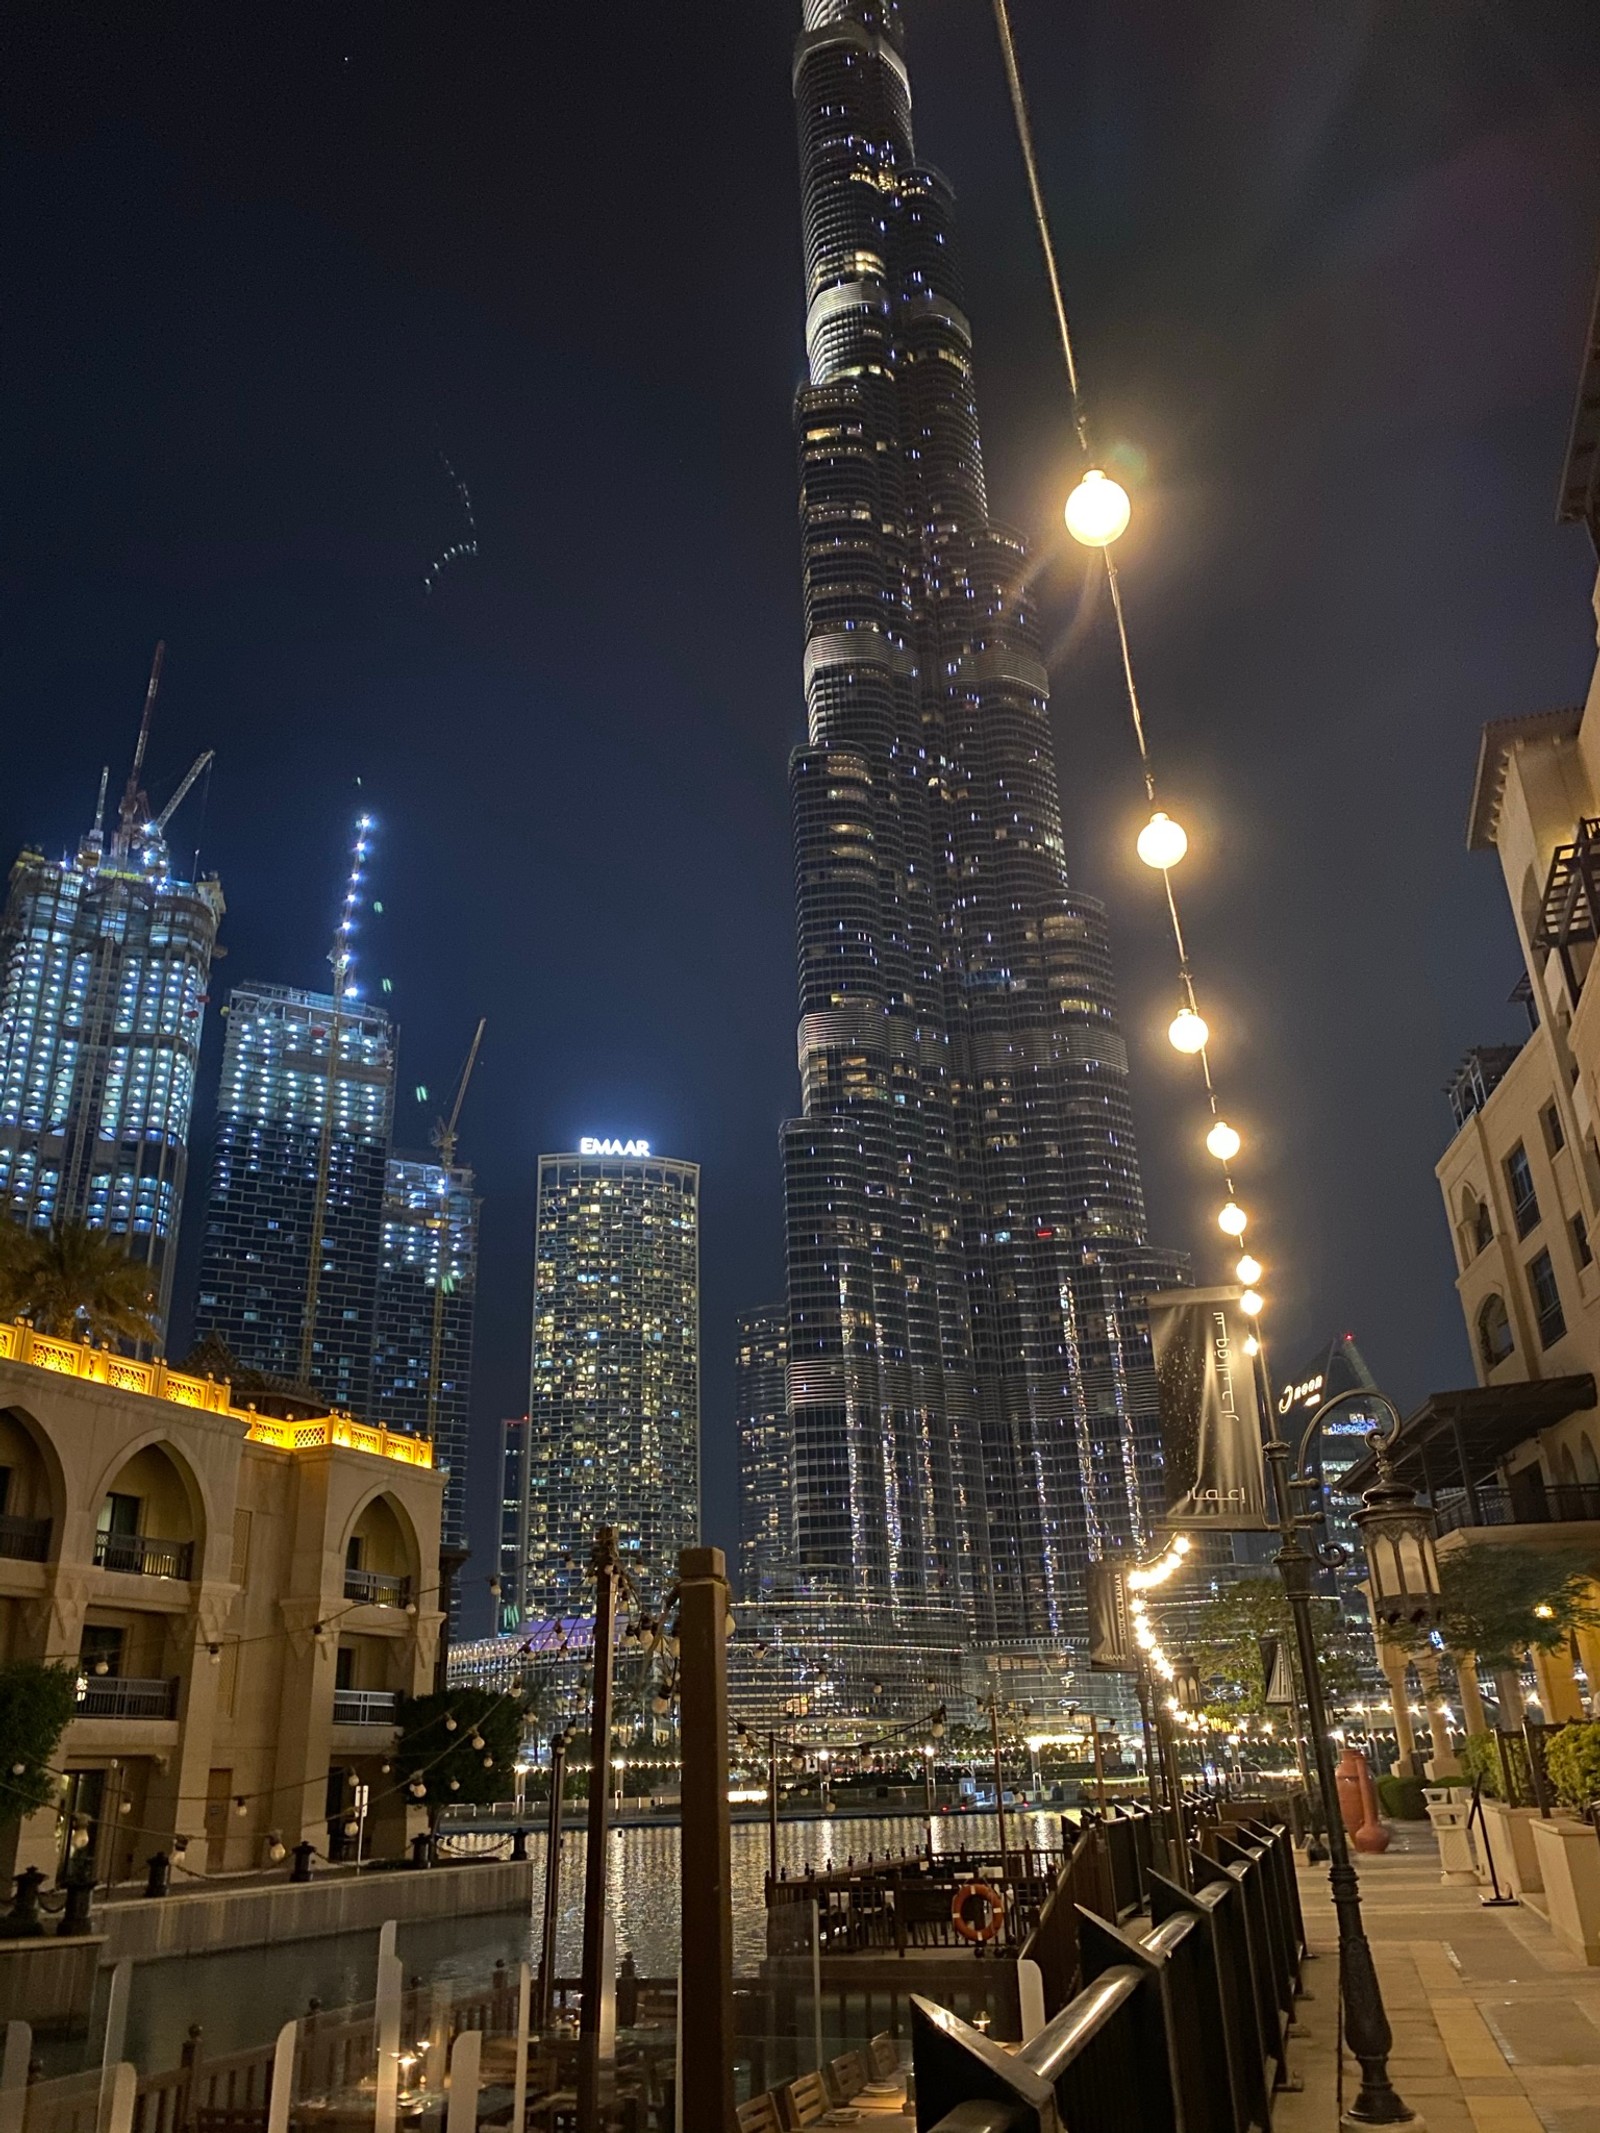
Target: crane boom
column 200, row 763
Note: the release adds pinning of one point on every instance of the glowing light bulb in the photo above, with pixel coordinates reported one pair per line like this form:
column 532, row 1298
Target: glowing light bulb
column 1187, row 1032
column 1232, row 1220
column 1097, row 510
column 1162, row 842
column 1250, row 1303
column 1223, row 1142
column 1248, row 1271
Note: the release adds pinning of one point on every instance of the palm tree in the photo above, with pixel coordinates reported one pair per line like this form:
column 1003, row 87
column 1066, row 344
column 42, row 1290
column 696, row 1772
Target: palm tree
column 74, row 1281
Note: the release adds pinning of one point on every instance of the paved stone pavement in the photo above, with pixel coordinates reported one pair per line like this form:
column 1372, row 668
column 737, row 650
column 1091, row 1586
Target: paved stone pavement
column 1496, row 2027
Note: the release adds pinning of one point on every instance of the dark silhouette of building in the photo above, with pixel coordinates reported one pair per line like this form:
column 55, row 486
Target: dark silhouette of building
column 761, row 1393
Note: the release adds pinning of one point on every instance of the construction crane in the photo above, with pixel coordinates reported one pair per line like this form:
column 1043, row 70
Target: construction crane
column 444, row 1139
column 201, row 762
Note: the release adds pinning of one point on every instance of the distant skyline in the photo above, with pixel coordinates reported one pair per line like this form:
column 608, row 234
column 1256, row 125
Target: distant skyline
column 1331, row 284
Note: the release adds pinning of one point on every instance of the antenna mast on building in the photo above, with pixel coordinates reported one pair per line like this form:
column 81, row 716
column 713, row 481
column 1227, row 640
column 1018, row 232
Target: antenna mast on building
column 341, row 957
column 133, row 810
column 444, row 1139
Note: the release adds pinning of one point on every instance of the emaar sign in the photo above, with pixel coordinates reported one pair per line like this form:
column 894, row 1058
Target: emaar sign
column 589, row 1146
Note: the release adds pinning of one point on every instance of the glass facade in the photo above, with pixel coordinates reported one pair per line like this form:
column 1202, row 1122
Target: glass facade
column 427, row 1287
column 304, row 1114
column 514, row 1434
column 971, row 1403
column 104, row 964
column 761, row 1396
column 614, row 1405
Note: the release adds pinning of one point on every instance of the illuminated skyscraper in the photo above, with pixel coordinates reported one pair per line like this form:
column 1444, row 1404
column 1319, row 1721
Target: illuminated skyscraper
column 104, row 962
column 513, row 1519
column 971, row 1401
column 427, row 1288
column 297, row 1188
column 761, row 1390
column 614, row 1409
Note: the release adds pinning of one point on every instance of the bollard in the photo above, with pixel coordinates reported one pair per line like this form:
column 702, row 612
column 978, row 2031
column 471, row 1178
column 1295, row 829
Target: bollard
column 158, row 1877
column 422, row 1849
column 76, row 1917
column 519, row 1843
column 628, row 1993
column 22, row 1921
column 304, row 1853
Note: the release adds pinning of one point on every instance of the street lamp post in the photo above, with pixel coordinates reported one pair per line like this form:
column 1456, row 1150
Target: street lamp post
column 1386, row 1509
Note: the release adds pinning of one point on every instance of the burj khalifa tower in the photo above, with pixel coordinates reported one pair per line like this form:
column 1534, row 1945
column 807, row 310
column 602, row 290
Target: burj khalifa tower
column 970, row 1398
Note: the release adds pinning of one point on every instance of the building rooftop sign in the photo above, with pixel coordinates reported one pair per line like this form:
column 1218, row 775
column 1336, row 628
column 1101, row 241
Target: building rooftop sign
column 589, row 1146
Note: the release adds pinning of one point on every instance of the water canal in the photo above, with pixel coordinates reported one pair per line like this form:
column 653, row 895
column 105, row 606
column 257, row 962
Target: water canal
column 240, row 1998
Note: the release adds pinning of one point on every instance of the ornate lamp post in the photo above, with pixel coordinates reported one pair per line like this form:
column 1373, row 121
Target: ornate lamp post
column 1399, row 1544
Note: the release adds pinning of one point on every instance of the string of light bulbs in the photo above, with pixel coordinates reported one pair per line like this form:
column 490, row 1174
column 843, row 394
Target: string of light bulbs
column 1097, row 514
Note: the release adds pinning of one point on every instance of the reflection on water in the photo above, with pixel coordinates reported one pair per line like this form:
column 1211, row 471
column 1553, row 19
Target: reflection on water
column 240, row 1999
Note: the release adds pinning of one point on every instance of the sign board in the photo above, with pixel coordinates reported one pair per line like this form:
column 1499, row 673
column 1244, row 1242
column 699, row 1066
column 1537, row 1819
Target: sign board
column 590, row 1146
column 1210, row 1415
column 1111, row 1646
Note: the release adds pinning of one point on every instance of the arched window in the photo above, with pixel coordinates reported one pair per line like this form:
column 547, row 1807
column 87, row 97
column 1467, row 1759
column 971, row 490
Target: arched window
column 1477, row 1230
column 1494, row 1331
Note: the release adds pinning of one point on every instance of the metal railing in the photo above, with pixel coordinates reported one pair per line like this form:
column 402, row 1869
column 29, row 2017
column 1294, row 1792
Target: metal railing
column 1556, row 1504
column 377, row 1588
column 25, row 1540
column 127, row 1696
column 366, row 1707
column 908, row 1899
column 1185, row 2025
column 143, row 1555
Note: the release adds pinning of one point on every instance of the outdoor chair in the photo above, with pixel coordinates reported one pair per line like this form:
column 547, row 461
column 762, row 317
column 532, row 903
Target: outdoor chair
column 847, row 2077
column 883, row 2057
column 759, row 2115
column 805, row 2103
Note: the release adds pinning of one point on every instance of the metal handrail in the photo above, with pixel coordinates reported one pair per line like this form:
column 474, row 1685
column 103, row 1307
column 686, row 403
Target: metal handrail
column 24, row 1540
column 365, row 1707
column 143, row 1555
column 379, row 1588
column 128, row 1696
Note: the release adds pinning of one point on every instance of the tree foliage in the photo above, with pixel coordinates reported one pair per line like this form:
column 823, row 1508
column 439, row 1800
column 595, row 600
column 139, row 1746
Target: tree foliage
column 1499, row 1602
column 71, row 1280
column 1228, row 1633
column 1572, row 1757
column 446, row 1760
column 36, row 1704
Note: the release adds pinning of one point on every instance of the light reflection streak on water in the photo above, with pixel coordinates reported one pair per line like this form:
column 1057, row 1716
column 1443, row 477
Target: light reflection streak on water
column 240, row 1998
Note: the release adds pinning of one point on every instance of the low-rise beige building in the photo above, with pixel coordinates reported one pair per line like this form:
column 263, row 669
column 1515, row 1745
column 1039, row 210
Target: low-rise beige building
column 245, row 1596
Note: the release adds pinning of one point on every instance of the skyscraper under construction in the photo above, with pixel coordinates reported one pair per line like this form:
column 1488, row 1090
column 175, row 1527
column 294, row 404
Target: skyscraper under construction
column 105, row 959
column 971, row 1405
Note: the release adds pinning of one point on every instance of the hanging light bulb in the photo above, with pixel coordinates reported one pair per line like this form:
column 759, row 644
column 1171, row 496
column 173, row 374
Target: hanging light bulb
column 1223, row 1142
column 1248, row 1271
column 1251, row 1345
column 1232, row 1220
column 1097, row 510
column 1188, row 1032
column 1162, row 842
column 1250, row 1303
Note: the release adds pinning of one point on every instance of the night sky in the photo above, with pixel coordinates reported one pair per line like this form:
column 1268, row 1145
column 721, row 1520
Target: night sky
column 268, row 269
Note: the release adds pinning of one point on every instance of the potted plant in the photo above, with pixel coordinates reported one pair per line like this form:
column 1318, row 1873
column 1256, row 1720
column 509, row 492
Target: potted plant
column 1568, row 1848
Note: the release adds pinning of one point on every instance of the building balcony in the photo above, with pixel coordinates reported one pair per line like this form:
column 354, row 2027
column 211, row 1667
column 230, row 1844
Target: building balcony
column 25, row 1540
column 140, row 1555
column 377, row 1588
column 127, row 1696
column 1553, row 1504
column 366, row 1707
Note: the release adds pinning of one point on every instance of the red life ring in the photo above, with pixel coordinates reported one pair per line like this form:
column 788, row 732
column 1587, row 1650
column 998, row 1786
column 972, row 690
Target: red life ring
column 978, row 1896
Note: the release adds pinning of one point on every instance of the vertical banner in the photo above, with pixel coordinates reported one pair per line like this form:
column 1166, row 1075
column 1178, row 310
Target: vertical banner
column 1210, row 1417
column 1277, row 1682
column 1111, row 1646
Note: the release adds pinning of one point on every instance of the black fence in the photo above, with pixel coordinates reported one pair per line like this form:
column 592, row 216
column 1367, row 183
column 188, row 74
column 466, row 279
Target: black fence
column 1182, row 2024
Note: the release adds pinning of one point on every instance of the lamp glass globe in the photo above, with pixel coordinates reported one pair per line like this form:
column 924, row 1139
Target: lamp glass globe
column 1248, row 1271
column 1232, row 1220
column 1223, row 1142
column 1097, row 510
column 1250, row 1303
column 1187, row 1032
column 1162, row 842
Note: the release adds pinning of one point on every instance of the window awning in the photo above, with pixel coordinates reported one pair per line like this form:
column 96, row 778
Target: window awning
column 1455, row 1440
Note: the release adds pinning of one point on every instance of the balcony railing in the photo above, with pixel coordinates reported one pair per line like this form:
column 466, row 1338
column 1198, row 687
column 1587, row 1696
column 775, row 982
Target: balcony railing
column 365, row 1707
column 25, row 1540
column 143, row 1556
column 377, row 1588
column 1556, row 1504
column 126, row 1696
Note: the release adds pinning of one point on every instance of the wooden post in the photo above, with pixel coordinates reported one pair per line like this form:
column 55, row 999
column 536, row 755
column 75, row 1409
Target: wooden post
column 1099, row 1765
column 772, row 1809
column 545, row 1994
column 596, row 1986
column 708, row 2034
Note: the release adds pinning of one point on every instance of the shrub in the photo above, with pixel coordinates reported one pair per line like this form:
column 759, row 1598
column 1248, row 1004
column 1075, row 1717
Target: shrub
column 1572, row 1757
column 37, row 1701
column 1401, row 1799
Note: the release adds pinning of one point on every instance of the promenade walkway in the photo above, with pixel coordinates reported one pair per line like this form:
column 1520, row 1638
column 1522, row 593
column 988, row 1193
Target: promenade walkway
column 1496, row 2026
